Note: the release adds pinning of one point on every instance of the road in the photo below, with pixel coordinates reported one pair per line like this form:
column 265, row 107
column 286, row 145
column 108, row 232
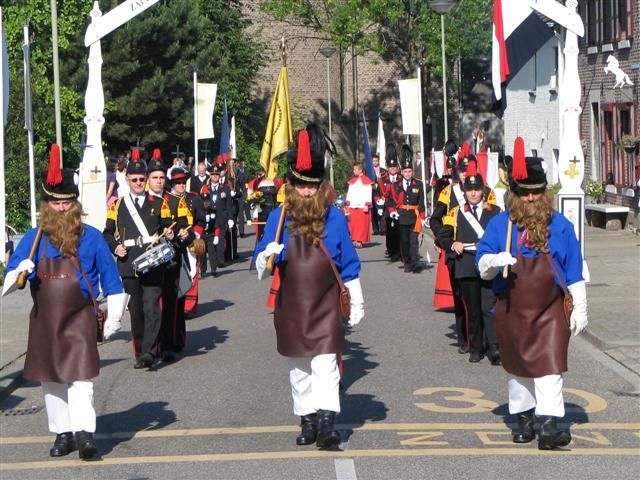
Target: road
column 413, row 407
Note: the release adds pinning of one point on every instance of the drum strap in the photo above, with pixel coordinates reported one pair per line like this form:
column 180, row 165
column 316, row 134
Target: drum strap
column 135, row 216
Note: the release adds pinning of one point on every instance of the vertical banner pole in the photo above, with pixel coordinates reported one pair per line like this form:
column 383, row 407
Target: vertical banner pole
column 195, row 120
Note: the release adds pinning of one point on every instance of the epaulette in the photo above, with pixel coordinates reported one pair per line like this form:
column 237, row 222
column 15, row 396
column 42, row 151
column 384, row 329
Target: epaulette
column 165, row 210
column 491, row 197
column 451, row 218
column 112, row 212
column 445, row 195
column 183, row 209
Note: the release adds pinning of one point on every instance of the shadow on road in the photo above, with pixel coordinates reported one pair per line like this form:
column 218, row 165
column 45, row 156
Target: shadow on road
column 213, row 306
column 202, row 341
column 145, row 416
column 357, row 409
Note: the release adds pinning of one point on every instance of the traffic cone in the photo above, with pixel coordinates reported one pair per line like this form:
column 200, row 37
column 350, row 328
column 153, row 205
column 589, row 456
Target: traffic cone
column 443, row 294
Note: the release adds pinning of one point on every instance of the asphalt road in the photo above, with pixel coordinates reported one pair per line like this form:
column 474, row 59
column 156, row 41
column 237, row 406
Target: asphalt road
column 413, row 408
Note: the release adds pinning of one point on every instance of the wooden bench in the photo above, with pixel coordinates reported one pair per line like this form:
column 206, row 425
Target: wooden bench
column 609, row 217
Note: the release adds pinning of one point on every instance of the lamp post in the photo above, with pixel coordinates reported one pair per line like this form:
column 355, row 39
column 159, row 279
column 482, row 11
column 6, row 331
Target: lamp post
column 328, row 52
column 441, row 7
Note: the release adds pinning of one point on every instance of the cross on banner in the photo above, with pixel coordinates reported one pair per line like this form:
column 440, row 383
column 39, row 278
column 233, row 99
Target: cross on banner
column 177, row 152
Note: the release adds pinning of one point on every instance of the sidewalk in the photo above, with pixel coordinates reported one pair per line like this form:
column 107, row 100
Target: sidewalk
column 613, row 259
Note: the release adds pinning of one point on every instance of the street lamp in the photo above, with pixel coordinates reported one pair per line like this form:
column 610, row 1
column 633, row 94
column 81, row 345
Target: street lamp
column 441, row 7
column 328, row 52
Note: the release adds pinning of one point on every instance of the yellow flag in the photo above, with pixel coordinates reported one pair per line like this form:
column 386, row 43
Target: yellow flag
column 279, row 133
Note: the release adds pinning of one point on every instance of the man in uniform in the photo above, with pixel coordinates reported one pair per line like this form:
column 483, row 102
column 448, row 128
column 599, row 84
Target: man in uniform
column 377, row 214
column 385, row 185
column 242, row 178
column 408, row 211
column 133, row 223
column 450, row 197
column 462, row 229
column 173, row 332
column 218, row 215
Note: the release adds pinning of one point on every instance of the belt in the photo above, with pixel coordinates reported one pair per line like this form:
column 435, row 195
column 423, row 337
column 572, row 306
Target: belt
column 417, row 227
column 139, row 242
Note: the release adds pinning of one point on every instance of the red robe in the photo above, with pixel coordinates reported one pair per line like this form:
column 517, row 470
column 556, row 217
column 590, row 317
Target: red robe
column 359, row 198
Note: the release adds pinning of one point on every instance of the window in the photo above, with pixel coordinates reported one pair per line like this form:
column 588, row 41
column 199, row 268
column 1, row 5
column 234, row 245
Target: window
column 607, row 21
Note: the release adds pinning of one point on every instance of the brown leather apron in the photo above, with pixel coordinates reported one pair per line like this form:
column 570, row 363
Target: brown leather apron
column 62, row 344
column 533, row 335
column 307, row 316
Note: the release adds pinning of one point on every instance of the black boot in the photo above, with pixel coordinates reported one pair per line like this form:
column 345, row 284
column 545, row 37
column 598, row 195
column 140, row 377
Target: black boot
column 309, row 433
column 86, row 445
column 550, row 437
column 63, row 445
column 524, row 432
column 493, row 354
column 327, row 436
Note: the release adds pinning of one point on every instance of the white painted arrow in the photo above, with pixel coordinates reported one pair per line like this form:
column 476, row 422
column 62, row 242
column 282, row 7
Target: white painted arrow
column 120, row 15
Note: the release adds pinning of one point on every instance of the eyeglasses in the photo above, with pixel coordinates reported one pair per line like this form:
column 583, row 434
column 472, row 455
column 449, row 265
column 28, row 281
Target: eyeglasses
column 138, row 180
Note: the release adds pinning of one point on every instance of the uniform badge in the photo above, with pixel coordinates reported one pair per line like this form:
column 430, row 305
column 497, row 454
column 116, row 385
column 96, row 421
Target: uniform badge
column 223, row 195
column 416, row 190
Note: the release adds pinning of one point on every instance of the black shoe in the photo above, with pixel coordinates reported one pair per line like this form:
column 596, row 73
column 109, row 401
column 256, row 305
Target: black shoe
column 462, row 349
column 524, row 432
column 475, row 357
column 309, row 433
column 417, row 269
column 327, row 436
column 550, row 437
column 220, row 264
column 168, row 358
column 494, row 355
column 86, row 445
column 63, row 445
column 145, row 360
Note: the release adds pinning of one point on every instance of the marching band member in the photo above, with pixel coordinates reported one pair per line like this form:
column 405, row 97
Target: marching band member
column 133, row 224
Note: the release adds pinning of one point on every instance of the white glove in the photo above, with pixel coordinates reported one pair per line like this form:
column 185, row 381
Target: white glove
column 380, row 202
column 394, row 215
column 216, row 240
column 11, row 278
column 116, row 306
column 578, row 320
column 357, row 301
column 380, row 210
column 425, row 223
column 491, row 263
column 230, row 223
column 207, row 217
column 273, row 248
column 233, row 193
column 255, row 212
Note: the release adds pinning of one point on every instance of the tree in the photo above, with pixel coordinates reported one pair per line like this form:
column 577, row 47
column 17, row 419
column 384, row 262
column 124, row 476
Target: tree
column 147, row 78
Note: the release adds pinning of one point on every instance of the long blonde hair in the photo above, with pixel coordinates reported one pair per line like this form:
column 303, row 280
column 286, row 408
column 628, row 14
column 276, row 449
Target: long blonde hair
column 308, row 214
column 63, row 229
column 534, row 217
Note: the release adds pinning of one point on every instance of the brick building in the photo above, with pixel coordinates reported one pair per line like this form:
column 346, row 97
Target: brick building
column 612, row 30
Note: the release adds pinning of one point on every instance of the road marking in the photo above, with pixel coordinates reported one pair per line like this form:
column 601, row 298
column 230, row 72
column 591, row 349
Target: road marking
column 300, row 454
column 345, row 469
column 198, row 432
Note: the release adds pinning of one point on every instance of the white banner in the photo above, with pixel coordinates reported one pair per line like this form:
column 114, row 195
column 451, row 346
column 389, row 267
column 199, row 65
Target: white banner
column 381, row 144
column 438, row 163
column 205, row 104
column 492, row 169
column 232, row 138
column 410, row 106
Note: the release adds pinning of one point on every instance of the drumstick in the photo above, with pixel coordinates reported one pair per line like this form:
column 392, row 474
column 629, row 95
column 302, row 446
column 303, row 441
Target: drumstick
column 22, row 278
column 278, row 232
column 161, row 235
column 507, row 248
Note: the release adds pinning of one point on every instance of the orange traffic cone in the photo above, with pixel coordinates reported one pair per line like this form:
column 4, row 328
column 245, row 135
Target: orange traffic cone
column 443, row 294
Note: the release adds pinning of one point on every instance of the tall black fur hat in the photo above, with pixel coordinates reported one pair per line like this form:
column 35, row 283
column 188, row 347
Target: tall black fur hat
column 391, row 155
column 406, row 157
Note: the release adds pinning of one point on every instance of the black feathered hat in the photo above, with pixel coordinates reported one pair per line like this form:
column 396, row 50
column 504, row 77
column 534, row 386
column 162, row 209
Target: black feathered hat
column 155, row 164
column 526, row 173
column 391, row 155
column 58, row 183
column 306, row 158
column 406, row 157
column 135, row 165
column 450, row 148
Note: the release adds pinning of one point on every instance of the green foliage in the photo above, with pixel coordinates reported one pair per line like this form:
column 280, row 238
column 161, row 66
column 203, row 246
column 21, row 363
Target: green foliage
column 594, row 190
column 147, row 78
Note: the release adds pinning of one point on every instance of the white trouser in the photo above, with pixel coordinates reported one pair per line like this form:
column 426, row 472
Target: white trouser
column 70, row 406
column 543, row 393
column 314, row 384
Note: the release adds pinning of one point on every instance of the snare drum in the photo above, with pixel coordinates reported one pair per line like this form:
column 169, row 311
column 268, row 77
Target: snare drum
column 154, row 257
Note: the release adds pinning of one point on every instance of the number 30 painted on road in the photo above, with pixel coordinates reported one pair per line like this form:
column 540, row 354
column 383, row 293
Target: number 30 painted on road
column 478, row 404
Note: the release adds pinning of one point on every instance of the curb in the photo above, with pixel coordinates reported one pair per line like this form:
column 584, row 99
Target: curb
column 604, row 345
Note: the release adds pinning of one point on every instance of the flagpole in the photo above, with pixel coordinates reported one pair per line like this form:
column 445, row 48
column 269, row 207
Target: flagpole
column 28, row 124
column 422, row 170
column 3, row 223
column 195, row 120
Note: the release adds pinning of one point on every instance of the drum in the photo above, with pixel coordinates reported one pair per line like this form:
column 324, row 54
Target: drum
column 154, row 257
